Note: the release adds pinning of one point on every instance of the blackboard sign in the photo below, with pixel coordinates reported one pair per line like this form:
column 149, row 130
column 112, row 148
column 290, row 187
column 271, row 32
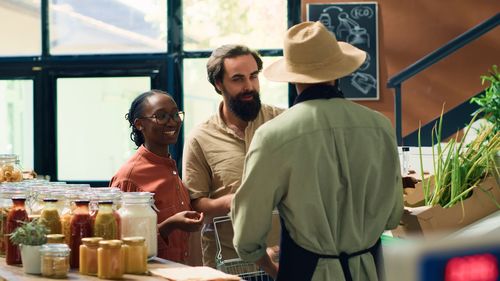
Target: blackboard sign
column 356, row 24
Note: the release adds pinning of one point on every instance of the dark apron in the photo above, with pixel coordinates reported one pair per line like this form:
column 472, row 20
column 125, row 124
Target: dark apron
column 297, row 263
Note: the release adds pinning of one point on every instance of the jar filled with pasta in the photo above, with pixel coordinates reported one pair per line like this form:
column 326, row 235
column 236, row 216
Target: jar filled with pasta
column 10, row 170
column 55, row 260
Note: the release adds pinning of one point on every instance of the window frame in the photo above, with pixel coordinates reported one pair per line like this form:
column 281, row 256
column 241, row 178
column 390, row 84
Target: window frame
column 165, row 70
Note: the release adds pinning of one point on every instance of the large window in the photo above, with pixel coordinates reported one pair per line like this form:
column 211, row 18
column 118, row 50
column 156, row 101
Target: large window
column 211, row 23
column 92, row 133
column 16, row 120
column 20, row 28
column 107, row 26
column 71, row 68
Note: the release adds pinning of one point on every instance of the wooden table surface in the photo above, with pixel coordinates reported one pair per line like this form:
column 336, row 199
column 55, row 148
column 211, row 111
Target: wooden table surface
column 15, row 273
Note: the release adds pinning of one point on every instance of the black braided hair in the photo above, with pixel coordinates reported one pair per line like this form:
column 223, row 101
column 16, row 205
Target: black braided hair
column 136, row 111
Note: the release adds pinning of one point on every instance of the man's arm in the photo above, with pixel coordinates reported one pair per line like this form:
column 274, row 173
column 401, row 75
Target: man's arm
column 262, row 188
column 213, row 207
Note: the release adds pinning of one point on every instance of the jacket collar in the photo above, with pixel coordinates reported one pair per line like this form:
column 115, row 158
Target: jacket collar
column 320, row 91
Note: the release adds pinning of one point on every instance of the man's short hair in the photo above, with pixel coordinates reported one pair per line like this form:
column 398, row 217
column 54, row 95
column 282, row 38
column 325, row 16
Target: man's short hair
column 215, row 64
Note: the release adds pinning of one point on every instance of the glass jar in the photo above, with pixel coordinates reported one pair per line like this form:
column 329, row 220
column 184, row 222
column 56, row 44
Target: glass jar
column 42, row 192
column 16, row 216
column 139, row 219
column 10, row 170
column 113, row 194
column 88, row 255
column 71, row 196
column 136, row 255
column 80, row 227
column 55, row 260
column 50, row 216
column 106, row 223
column 31, row 188
column 55, row 238
column 7, row 191
column 110, row 259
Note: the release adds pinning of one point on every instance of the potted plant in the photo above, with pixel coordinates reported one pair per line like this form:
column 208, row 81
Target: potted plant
column 30, row 236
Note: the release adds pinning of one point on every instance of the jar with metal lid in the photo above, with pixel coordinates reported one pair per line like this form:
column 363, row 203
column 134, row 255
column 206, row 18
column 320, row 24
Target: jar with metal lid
column 55, row 260
column 88, row 255
column 50, row 216
column 136, row 255
column 10, row 169
column 110, row 259
column 55, row 238
column 139, row 219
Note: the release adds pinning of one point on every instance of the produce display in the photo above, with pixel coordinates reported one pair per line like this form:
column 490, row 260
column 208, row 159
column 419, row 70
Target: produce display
column 84, row 229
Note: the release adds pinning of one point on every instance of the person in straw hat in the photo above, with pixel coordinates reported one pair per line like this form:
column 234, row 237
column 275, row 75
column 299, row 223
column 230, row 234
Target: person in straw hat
column 329, row 165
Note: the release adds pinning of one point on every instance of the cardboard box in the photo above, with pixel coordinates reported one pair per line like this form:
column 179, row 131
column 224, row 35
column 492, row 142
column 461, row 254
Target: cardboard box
column 416, row 197
column 429, row 220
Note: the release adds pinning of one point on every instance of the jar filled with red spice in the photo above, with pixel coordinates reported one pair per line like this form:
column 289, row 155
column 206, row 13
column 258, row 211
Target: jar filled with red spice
column 80, row 227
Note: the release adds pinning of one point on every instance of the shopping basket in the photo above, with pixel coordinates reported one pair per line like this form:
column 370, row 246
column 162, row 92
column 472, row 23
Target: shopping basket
column 246, row 270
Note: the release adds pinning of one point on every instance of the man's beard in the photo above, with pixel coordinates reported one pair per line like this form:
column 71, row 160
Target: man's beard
column 245, row 110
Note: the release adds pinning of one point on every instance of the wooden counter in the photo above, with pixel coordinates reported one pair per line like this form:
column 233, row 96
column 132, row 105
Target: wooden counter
column 15, row 273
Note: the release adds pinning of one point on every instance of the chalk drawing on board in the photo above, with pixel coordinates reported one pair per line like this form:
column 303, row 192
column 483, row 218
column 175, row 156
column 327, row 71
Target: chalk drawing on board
column 362, row 12
column 355, row 34
column 325, row 18
column 364, row 82
column 354, row 23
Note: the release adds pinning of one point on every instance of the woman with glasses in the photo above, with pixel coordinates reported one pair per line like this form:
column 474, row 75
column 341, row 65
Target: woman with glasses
column 156, row 121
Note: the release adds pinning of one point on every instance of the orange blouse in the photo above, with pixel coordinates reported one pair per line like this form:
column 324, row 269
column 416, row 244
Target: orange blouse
column 148, row 172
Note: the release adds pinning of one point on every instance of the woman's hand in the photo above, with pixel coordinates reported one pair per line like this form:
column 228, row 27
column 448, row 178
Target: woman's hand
column 189, row 221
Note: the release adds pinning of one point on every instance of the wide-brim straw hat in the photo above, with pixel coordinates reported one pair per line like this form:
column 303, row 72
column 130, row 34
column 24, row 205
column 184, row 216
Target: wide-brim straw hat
column 313, row 55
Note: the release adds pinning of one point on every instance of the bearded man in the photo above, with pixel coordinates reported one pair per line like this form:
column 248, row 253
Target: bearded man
column 214, row 152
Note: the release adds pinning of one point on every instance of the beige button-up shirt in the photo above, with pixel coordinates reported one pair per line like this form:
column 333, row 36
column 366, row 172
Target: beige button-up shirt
column 213, row 165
